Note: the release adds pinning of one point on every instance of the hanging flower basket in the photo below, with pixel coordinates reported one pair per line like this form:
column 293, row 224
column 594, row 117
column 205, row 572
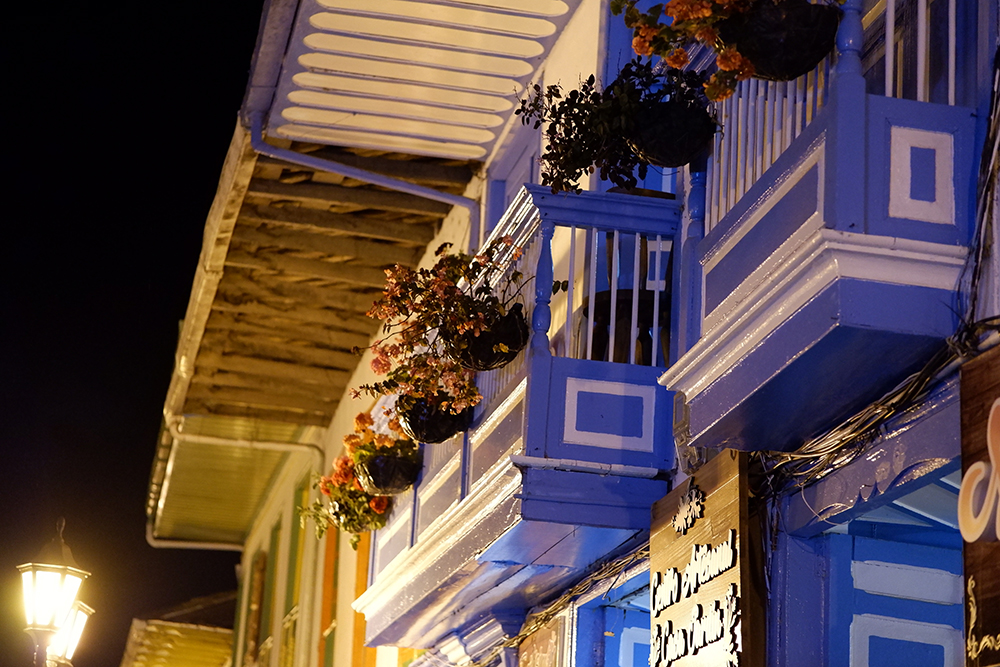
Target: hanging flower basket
column 783, row 40
column 387, row 475
column 670, row 133
column 429, row 421
column 496, row 345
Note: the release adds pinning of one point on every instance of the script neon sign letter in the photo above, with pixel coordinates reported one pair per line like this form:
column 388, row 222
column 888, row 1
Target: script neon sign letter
column 979, row 497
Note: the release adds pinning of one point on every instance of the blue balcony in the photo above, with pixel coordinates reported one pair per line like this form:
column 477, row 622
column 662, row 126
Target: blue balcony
column 829, row 273
column 569, row 449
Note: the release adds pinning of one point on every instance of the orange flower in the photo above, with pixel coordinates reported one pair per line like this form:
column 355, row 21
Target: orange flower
column 717, row 90
column 707, row 35
column 383, row 440
column 689, row 10
column 363, row 421
column 343, row 471
column 677, row 58
column 351, row 442
column 641, row 47
column 730, row 60
column 642, row 42
column 379, row 504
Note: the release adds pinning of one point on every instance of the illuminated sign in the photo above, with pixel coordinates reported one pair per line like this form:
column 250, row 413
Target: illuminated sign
column 979, row 506
column 699, row 571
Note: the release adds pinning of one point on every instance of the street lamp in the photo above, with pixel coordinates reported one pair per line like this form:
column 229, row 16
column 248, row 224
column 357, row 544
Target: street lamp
column 50, row 584
column 64, row 642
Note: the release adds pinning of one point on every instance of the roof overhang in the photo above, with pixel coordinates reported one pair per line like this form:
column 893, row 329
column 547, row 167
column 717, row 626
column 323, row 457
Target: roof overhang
column 156, row 643
column 423, row 78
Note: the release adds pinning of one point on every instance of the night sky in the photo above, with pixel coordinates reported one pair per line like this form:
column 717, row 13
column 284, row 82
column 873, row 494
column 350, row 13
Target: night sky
column 116, row 119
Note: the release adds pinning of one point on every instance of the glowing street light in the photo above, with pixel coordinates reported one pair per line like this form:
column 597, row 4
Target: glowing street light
column 63, row 644
column 51, row 583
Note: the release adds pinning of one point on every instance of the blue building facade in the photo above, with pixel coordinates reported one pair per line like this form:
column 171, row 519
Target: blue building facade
column 806, row 293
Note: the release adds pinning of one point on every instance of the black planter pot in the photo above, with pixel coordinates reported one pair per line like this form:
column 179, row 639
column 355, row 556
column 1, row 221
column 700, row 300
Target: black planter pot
column 478, row 353
column 387, row 475
column 783, row 40
column 425, row 421
column 671, row 133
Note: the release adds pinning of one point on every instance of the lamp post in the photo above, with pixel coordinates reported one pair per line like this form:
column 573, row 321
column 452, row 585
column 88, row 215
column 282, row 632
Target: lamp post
column 63, row 643
column 50, row 584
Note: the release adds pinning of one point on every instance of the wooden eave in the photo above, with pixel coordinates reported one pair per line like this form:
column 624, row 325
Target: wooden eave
column 305, row 260
column 291, row 262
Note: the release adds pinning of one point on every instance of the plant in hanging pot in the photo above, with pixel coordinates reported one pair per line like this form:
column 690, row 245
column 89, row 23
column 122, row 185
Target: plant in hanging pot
column 385, row 464
column 345, row 504
column 644, row 117
column 441, row 325
column 776, row 40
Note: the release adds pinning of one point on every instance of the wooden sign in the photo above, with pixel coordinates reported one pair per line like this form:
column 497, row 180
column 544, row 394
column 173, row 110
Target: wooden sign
column 979, row 507
column 543, row 648
column 702, row 600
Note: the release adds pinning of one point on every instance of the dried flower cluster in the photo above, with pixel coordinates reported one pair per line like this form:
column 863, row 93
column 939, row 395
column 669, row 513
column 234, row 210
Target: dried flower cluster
column 460, row 294
column 689, row 20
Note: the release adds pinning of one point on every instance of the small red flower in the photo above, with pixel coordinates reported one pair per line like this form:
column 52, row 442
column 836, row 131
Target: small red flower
column 379, row 504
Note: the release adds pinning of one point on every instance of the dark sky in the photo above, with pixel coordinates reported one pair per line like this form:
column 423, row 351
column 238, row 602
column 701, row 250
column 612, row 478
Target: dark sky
column 116, row 119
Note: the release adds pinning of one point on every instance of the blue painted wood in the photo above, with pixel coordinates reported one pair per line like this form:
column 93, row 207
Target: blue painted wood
column 959, row 123
column 814, row 135
column 840, row 600
column 917, row 448
column 848, row 345
column 844, row 208
column 586, row 499
column 947, row 560
column 685, row 307
column 886, row 652
column 798, row 602
column 910, row 610
column 773, row 229
column 607, row 211
column 430, row 505
column 501, row 438
column 564, row 371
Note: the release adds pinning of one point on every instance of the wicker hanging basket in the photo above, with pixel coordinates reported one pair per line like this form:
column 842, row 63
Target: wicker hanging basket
column 481, row 353
column 671, row 133
column 425, row 421
column 783, row 39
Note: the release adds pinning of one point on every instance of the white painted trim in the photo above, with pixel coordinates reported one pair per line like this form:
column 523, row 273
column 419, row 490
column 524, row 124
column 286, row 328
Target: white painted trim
column 641, row 443
column 772, row 196
column 497, row 489
column 907, row 582
column 776, row 258
column 942, row 209
column 865, row 626
column 477, row 436
column 826, row 256
column 630, row 637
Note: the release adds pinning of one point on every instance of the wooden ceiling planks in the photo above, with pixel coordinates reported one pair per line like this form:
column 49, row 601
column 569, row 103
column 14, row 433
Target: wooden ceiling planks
column 306, row 261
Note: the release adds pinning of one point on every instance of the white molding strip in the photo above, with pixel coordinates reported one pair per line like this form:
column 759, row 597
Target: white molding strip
column 824, row 257
column 897, row 581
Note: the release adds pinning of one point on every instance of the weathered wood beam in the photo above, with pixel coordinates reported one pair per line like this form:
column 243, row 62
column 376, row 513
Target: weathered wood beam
column 381, row 200
column 265, row 287
column 355, row 225
column 277, row 369
column 293, row 331
column 336, row 246
column 200, row 406
column 250, row 346
column 426, row 173
column 220, row 378
column 329, row 318
column 259, row 399
column 310, row 268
